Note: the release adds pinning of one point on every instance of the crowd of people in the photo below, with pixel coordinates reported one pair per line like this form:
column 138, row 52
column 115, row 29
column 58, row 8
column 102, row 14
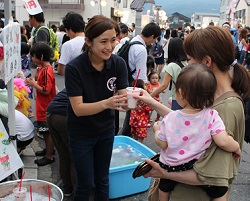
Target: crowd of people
column 204, row 125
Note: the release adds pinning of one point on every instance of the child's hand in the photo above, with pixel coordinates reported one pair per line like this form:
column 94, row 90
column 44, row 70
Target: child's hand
column 237, row 154
column 156, row 126
column 148, row 89
column 30, row 82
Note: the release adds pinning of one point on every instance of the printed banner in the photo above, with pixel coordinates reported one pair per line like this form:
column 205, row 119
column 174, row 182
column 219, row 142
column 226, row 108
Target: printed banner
column 12, row 51
column 32, row 6
column 9, row 158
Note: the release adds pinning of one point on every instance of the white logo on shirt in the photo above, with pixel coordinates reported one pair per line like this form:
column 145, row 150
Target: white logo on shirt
column 111, row 84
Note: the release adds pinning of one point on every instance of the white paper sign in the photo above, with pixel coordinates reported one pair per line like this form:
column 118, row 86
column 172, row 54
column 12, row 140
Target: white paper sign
column 32, row 6
column 12, row 50
column 9, row 158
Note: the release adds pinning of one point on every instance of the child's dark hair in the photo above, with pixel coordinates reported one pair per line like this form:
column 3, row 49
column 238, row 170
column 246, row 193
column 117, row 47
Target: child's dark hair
column 41, row 50
column 198, row 84
column 151, row 73
column 25, row 48
column 140, row 84
column 150, row 62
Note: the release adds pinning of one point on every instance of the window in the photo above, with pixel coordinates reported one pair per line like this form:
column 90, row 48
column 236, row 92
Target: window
column 125, row 3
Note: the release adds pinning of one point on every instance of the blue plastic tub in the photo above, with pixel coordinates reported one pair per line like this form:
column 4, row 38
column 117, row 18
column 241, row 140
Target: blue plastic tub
column 120, row 178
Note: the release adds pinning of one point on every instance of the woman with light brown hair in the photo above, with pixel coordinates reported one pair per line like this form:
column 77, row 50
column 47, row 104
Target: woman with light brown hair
column 213, row 47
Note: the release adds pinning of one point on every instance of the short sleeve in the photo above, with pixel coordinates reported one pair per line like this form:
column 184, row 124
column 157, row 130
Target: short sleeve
column 162, row 134
column 73, row 82
column 217, row 124
column 122, row 73
column 65, row 58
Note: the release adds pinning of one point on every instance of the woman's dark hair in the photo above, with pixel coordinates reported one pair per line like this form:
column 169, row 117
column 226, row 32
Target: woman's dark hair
column 198, row 85
column 25, row 48
column 98, row 25
column 123, row 26
column 41, row 50
column 151, row 73
column 243, row 34
column 174, row 33
column 150, row 62
column 124, row 30
column 176, row 51
column 22, row 29
column 54, row 27
column 167, row 34
column 28, row 30
column 211, row 42
column 140, row 83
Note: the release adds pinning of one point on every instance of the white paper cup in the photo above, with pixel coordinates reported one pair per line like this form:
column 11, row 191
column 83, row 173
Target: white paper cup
column 20, row 195
column 131, row 100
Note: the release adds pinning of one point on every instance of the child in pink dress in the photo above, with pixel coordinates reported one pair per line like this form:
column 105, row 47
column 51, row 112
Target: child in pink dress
column 139, row 118
column 184, row 135
column 153, row 78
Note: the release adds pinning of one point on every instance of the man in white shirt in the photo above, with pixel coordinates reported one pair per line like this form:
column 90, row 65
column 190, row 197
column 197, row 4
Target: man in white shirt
column 137, row 58
column 60, row 35
column 138, row 53
column 74, row 25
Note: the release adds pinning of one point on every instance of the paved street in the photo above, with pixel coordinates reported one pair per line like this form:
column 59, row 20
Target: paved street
column 241, row 186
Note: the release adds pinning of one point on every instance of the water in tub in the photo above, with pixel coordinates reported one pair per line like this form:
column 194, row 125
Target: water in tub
column 35, row 197
column 124, row 154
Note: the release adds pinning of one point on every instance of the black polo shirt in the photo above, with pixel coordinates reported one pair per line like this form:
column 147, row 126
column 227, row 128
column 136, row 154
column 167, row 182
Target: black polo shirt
column 59, row 104
column 82, row 79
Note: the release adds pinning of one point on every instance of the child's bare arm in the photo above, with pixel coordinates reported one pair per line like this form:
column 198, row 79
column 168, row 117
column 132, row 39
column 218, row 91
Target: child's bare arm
column 32, row 83
column 161, row 144
column 226, row 142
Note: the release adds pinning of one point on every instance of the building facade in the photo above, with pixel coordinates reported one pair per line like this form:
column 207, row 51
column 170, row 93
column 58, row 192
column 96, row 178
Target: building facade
column 203, row 19
column 235, row 11
column 55, row 10
column 177, row 20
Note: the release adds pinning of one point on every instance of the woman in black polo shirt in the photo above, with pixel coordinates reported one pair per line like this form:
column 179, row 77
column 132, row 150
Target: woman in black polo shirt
column 91, row 81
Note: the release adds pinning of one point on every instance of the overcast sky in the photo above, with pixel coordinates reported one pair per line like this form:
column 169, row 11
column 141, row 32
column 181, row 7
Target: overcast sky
column 187, row 7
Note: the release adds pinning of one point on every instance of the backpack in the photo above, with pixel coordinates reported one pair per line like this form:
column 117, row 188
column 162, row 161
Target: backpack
column 123, row 52
column 157, row 49
column 53, row 42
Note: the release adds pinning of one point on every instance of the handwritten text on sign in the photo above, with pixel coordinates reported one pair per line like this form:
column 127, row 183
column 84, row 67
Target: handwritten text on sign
column 32, row 6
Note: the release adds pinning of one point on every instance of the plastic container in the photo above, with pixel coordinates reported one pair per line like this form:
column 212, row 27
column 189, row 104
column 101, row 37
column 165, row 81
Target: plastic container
column 120, row 178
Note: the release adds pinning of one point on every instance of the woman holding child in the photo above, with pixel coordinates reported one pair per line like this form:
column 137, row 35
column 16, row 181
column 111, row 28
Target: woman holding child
column 216, row 167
